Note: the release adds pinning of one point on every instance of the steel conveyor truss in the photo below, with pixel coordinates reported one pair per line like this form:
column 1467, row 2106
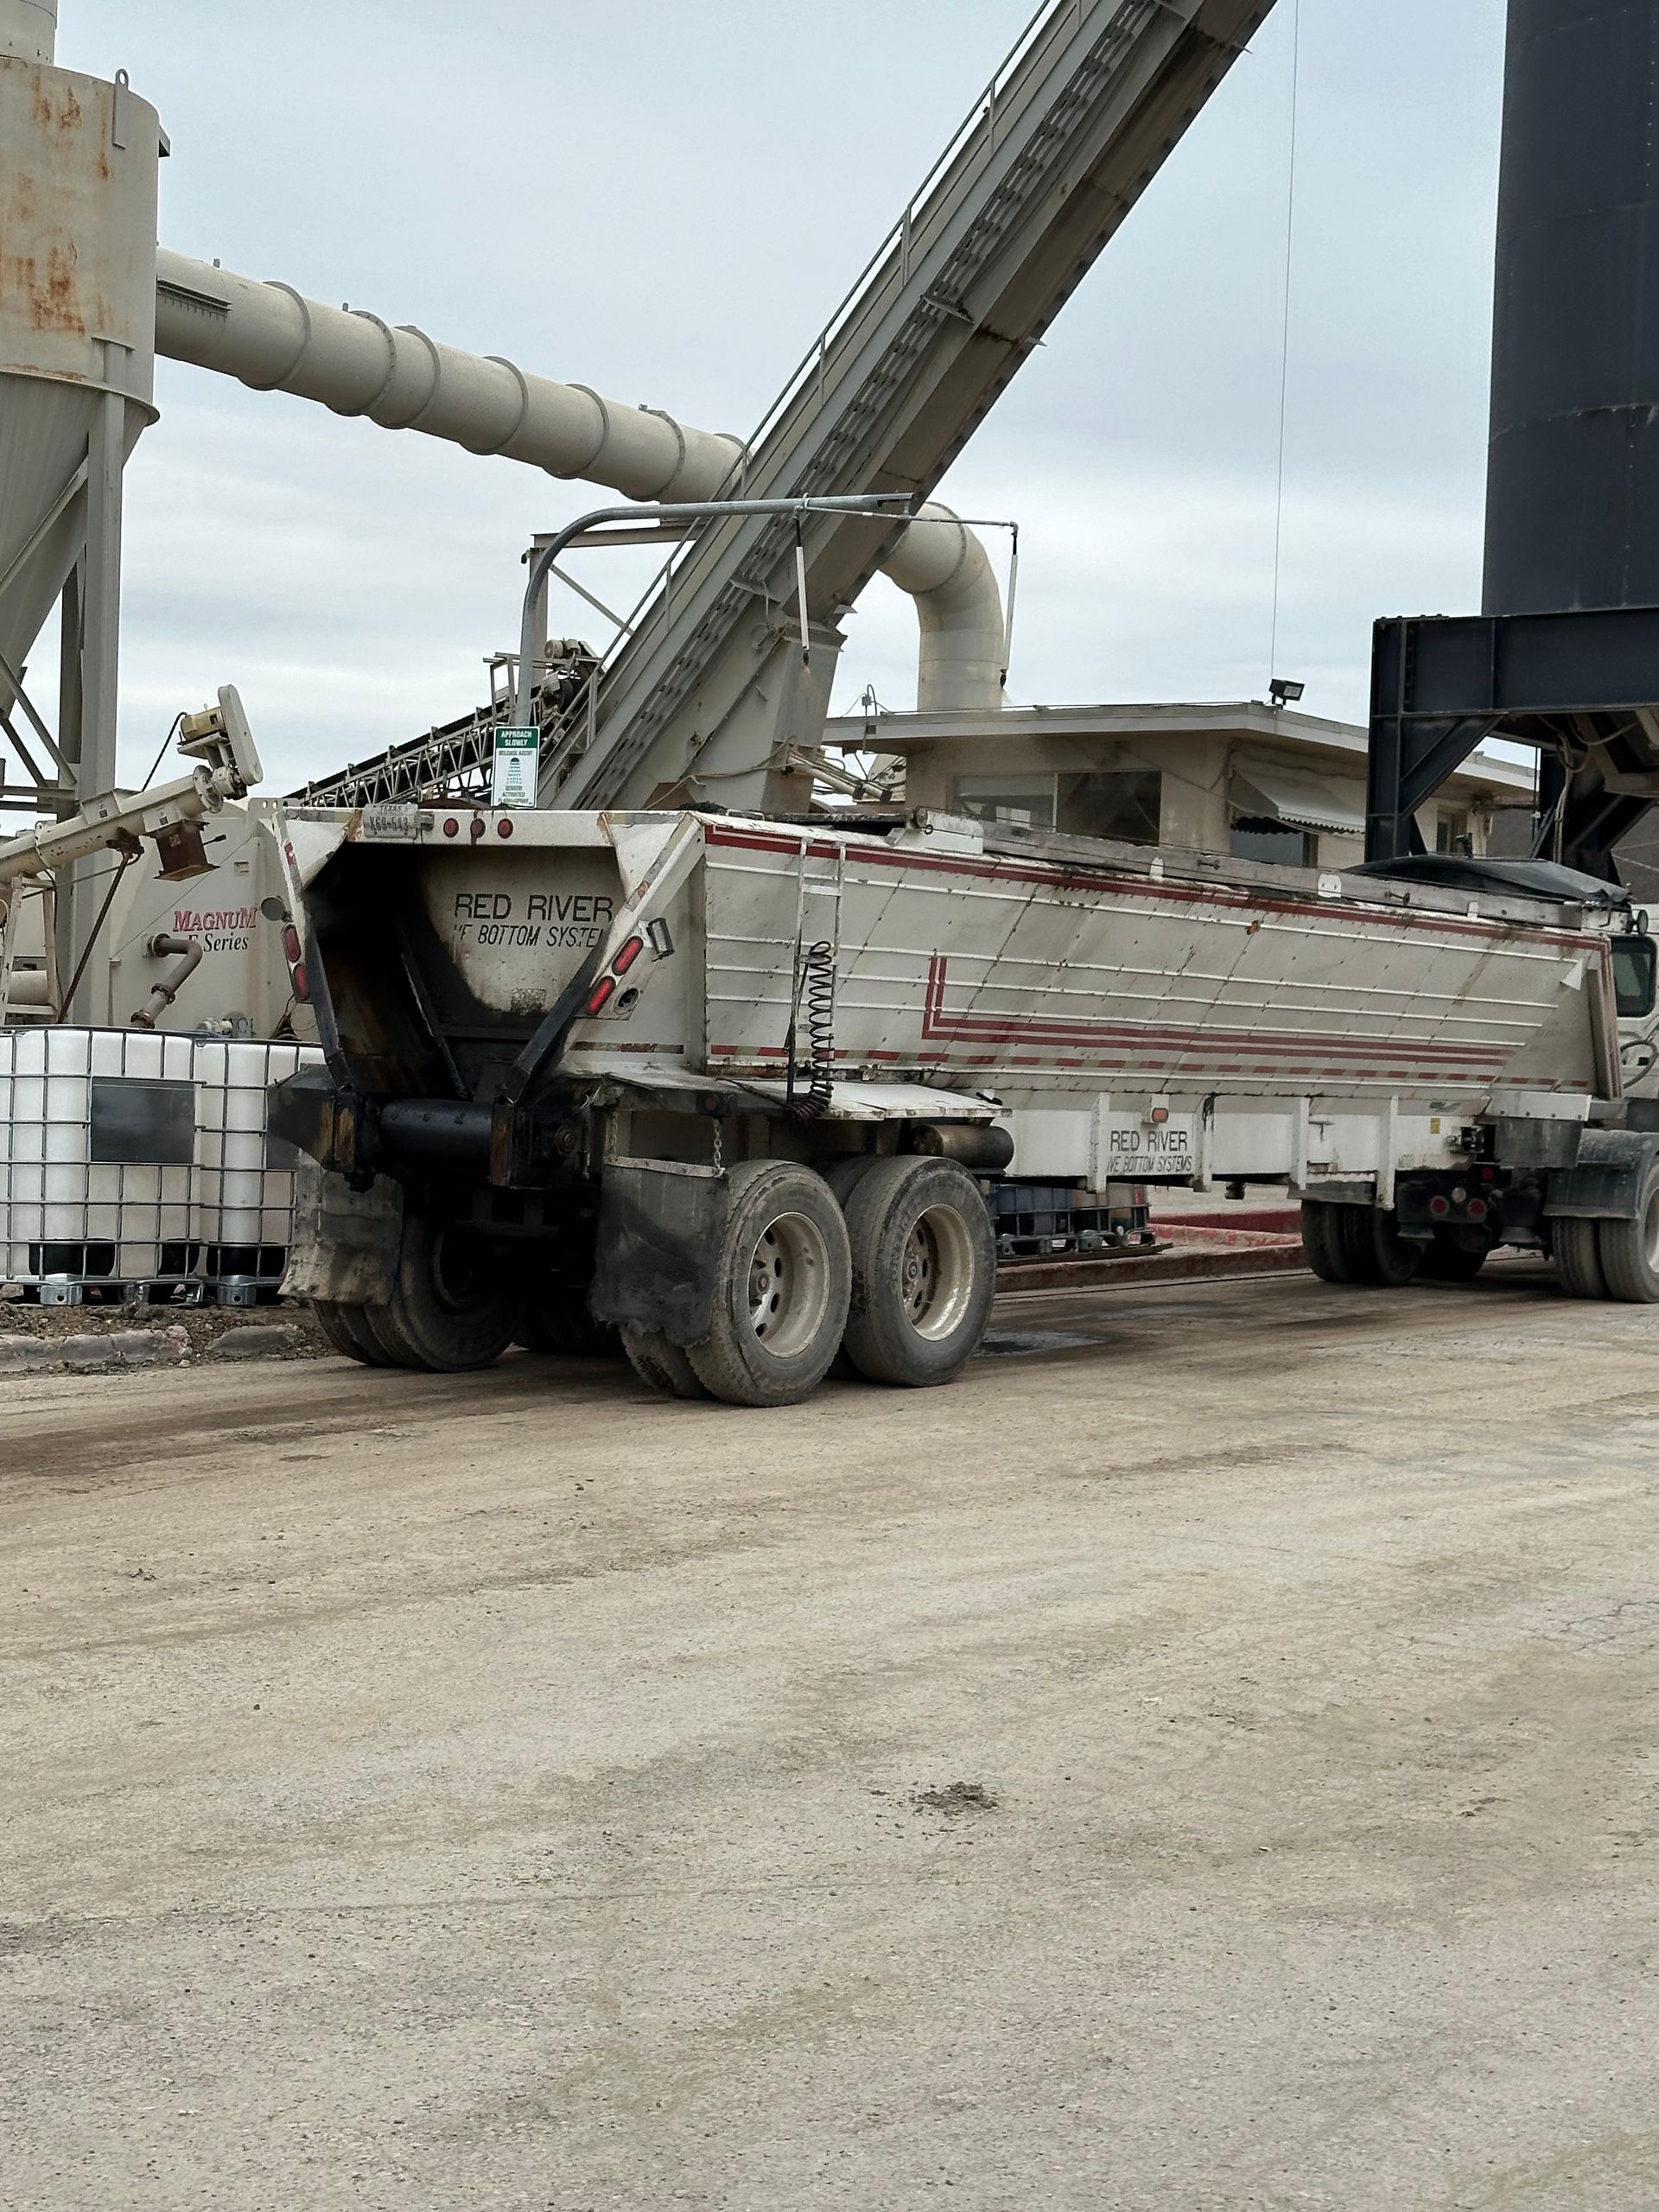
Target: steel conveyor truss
column 1066, row 136
column 1052, row 156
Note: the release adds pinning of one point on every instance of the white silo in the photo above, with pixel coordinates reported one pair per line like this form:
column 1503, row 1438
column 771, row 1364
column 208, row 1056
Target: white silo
column 77, row 355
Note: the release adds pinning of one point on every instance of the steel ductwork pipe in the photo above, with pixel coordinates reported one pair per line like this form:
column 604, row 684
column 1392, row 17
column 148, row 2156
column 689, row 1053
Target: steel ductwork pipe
column 947, row 571
column 271, row 337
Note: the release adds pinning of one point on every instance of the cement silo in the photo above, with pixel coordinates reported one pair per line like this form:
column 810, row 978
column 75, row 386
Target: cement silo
column 77, row 353
column 1565, row 654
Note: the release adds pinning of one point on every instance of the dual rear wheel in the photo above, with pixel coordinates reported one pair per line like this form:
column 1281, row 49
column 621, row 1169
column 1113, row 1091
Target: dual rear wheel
column 452, row 1306
column 1362, row 1244
column 1357, row 1244
column 886, row 1265
column 1607, row 1257
column 1613, row 1258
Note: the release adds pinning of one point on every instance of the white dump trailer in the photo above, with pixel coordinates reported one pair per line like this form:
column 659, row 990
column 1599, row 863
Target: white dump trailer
column 757, row 1094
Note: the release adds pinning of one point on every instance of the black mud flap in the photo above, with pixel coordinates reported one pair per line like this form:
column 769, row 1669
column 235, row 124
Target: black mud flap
column 659, row 1239
column 1606, row 1183
column 344, row 1242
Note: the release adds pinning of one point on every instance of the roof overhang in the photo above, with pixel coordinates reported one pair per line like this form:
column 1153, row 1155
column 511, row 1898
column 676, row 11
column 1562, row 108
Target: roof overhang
column 1329, row 745
column 1302, row 801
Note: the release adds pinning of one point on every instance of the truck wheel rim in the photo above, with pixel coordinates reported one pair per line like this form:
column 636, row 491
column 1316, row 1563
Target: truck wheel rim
column 1651, row 1233
column 937, row 1273
column 788, row 1284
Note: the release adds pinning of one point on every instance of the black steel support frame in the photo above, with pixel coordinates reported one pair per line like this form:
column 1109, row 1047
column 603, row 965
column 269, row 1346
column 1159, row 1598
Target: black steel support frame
column 1583, row 686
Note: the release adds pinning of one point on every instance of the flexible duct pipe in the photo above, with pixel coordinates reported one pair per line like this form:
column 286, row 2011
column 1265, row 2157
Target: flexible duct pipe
column 948, row 572
column 271, row 337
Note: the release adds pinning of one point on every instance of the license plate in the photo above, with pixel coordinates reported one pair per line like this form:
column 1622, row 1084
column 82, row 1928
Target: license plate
column 396, row 819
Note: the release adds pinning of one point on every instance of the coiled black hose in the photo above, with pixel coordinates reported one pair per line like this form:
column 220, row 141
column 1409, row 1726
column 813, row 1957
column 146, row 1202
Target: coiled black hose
column 815, row 991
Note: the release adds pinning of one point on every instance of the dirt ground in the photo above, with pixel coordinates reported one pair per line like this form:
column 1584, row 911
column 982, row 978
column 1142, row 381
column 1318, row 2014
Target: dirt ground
column 202, row 1326
column 1204, row 1759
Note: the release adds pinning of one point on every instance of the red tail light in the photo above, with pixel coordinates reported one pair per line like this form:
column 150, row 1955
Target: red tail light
column 302, row 981
column 292, row 949
column 600, row 997
column 630, row 953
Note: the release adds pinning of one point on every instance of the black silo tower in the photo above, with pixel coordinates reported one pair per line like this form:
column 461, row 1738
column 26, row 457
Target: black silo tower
column 1564, row 655
column 1573, row 486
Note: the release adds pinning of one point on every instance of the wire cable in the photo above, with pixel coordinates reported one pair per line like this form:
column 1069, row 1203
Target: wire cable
column 127, row 859
column 162, row 755
column 1284, row 348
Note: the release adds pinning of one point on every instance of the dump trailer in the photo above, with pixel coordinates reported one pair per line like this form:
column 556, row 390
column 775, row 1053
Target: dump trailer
column 750, row 1098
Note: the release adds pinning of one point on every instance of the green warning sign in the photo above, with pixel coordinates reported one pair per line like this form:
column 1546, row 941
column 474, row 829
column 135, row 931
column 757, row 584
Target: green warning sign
column 513, row 771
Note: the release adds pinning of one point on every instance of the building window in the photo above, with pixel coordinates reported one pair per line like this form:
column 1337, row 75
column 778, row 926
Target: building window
column 1126, row 804
column 1452, row 834
column 1023, row 802
column 1259, row 837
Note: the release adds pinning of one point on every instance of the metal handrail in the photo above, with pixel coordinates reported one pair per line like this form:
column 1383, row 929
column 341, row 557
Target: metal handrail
column 880, row 505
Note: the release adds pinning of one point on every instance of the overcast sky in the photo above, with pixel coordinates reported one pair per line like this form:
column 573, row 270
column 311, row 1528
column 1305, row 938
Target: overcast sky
column 664, row 199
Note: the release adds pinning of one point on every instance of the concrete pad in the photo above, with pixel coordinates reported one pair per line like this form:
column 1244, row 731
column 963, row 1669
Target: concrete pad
column 1202, row 1759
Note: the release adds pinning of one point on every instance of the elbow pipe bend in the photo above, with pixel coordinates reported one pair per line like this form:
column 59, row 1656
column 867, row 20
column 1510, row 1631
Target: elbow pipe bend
column 947, row 571
column 165, row 945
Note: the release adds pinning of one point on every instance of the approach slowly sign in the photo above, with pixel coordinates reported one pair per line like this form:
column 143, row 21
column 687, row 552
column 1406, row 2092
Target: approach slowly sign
column 513, row 772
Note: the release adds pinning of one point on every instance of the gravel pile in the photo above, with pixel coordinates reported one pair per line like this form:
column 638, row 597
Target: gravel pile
column 38, row 1338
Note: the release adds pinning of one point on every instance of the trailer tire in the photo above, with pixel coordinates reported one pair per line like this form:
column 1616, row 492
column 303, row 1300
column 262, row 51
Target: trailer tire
column 1445, row 1260
column 560, row 1322
column 1322, row 1241
column 358, row 1322
column 783, row 1277
column 662, row 1363
column 449, row 1309
column 347, row 1327
column 379, row 1336
column 1575, row 1249
column 1629, row 1247
column 844, row 1176
column 1376, row 1254
column 328, row 1316
column 923, row 1271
